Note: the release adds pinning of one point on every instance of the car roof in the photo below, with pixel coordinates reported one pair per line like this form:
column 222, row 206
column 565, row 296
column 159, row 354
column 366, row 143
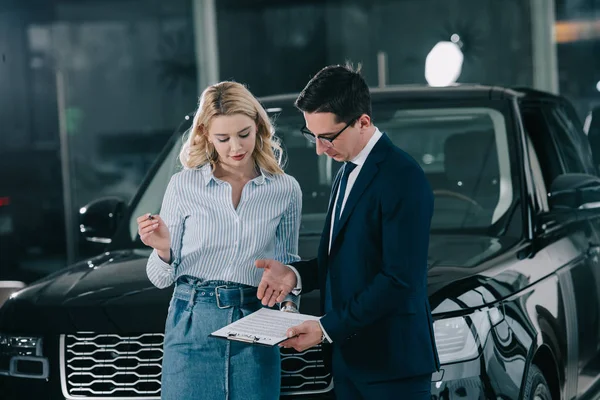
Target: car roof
column 416, row 92
column 535, row 94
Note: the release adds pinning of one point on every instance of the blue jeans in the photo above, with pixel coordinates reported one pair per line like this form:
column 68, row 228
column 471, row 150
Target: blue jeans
column 196, row 366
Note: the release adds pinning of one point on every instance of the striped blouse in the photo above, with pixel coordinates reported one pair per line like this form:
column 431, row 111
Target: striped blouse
column 212, row 240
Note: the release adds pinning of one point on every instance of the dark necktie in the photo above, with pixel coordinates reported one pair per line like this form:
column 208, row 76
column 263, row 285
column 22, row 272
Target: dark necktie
column 348, row 168
column 341, row 193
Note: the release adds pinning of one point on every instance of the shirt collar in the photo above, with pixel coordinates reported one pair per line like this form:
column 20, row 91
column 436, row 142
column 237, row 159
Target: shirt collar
column 262, row 178
column 364, row 153
column 207, row 174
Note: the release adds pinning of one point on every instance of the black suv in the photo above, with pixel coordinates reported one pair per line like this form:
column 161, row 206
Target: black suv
column 514, row 278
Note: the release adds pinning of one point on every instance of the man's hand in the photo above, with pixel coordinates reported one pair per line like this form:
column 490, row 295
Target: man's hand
column 276, row 283
column 303, row 336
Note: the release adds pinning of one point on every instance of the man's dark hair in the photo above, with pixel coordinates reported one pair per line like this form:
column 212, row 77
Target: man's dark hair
column 337, row 89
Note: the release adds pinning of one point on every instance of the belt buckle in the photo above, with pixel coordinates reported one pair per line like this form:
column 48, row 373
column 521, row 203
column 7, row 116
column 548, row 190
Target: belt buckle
column 217, row 296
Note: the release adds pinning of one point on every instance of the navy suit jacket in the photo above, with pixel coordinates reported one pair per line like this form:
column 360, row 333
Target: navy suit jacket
column 381, row 320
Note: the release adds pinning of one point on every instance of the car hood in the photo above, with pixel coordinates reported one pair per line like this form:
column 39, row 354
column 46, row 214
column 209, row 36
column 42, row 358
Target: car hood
column 115, row 277
column 465, row 251
column 476, row 269
column 112, row 293
column 109, row 293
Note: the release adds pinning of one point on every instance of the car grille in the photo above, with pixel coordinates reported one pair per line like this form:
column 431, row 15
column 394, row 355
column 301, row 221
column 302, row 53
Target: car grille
column 304, row 372
column 114, row 366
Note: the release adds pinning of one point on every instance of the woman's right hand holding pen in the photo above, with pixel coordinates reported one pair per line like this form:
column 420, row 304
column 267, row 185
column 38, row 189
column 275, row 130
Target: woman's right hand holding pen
column 154, row 233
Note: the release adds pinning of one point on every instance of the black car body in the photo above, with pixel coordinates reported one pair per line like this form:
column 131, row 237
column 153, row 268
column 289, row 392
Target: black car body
column 514, row 278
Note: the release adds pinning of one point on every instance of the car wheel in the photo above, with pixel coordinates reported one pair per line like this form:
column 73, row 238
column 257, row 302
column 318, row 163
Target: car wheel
column 536, row 387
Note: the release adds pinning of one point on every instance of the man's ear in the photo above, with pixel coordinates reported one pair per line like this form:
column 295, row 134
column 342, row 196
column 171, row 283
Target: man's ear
column 364, row 121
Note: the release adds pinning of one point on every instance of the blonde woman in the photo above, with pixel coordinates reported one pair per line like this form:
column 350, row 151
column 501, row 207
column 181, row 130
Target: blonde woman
column 230, row 205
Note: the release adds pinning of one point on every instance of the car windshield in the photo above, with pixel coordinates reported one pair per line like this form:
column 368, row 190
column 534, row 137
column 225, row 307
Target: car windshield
column 464, row 152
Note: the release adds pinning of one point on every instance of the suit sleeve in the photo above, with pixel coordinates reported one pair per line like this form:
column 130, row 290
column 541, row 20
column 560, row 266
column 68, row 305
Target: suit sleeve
column 309, row 272
column 406, row 220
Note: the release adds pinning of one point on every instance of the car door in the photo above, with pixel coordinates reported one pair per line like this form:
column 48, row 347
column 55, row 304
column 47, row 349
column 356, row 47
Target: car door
column 578, row 157
column 570, row 153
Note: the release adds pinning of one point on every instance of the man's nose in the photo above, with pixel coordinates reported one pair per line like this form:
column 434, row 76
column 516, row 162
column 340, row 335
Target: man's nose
column 321, row 148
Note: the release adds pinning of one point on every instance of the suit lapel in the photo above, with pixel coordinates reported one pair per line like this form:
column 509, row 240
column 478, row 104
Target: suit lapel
column 365, row 177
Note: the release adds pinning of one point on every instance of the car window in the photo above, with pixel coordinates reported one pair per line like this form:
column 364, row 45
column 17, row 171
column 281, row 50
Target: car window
column 538, row 131
column 592, row 130
column 571, row 142
column 541, row 194
column 151, row 199
column 464, row 152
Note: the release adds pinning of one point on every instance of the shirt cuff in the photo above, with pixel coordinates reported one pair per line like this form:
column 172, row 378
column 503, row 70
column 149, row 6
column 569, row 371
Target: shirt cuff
column 167, row 267
column 325, row 333
column 296, row 291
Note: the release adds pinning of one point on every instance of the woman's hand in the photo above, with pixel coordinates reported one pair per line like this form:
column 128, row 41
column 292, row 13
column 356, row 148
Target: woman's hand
column 154, row 233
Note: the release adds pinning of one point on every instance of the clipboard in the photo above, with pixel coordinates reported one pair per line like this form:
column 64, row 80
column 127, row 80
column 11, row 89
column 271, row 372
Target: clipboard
column 265, row 327
column 248, row 339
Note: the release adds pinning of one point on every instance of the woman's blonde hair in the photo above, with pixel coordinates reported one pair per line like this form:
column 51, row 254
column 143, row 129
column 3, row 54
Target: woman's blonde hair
column 228, row 98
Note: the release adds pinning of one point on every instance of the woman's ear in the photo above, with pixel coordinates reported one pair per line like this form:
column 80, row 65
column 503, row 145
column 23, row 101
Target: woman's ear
column 200, row 133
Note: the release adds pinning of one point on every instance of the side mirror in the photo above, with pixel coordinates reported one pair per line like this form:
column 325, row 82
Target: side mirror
column 575, row 192
column 98, row 220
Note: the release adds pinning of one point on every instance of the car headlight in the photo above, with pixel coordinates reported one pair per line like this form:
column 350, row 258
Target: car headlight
column 22, row 356
column 462, row 338
column 20, row 345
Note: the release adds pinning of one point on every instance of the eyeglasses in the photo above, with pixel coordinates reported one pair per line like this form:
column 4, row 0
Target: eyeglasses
column 325, row 141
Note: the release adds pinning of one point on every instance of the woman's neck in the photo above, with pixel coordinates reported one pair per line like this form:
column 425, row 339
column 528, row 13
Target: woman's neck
column 245, row 173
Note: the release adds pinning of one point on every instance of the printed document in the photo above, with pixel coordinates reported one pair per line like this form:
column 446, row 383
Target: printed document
column 266, row 327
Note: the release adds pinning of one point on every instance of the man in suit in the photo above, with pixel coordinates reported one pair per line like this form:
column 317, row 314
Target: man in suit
column 372, row 262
